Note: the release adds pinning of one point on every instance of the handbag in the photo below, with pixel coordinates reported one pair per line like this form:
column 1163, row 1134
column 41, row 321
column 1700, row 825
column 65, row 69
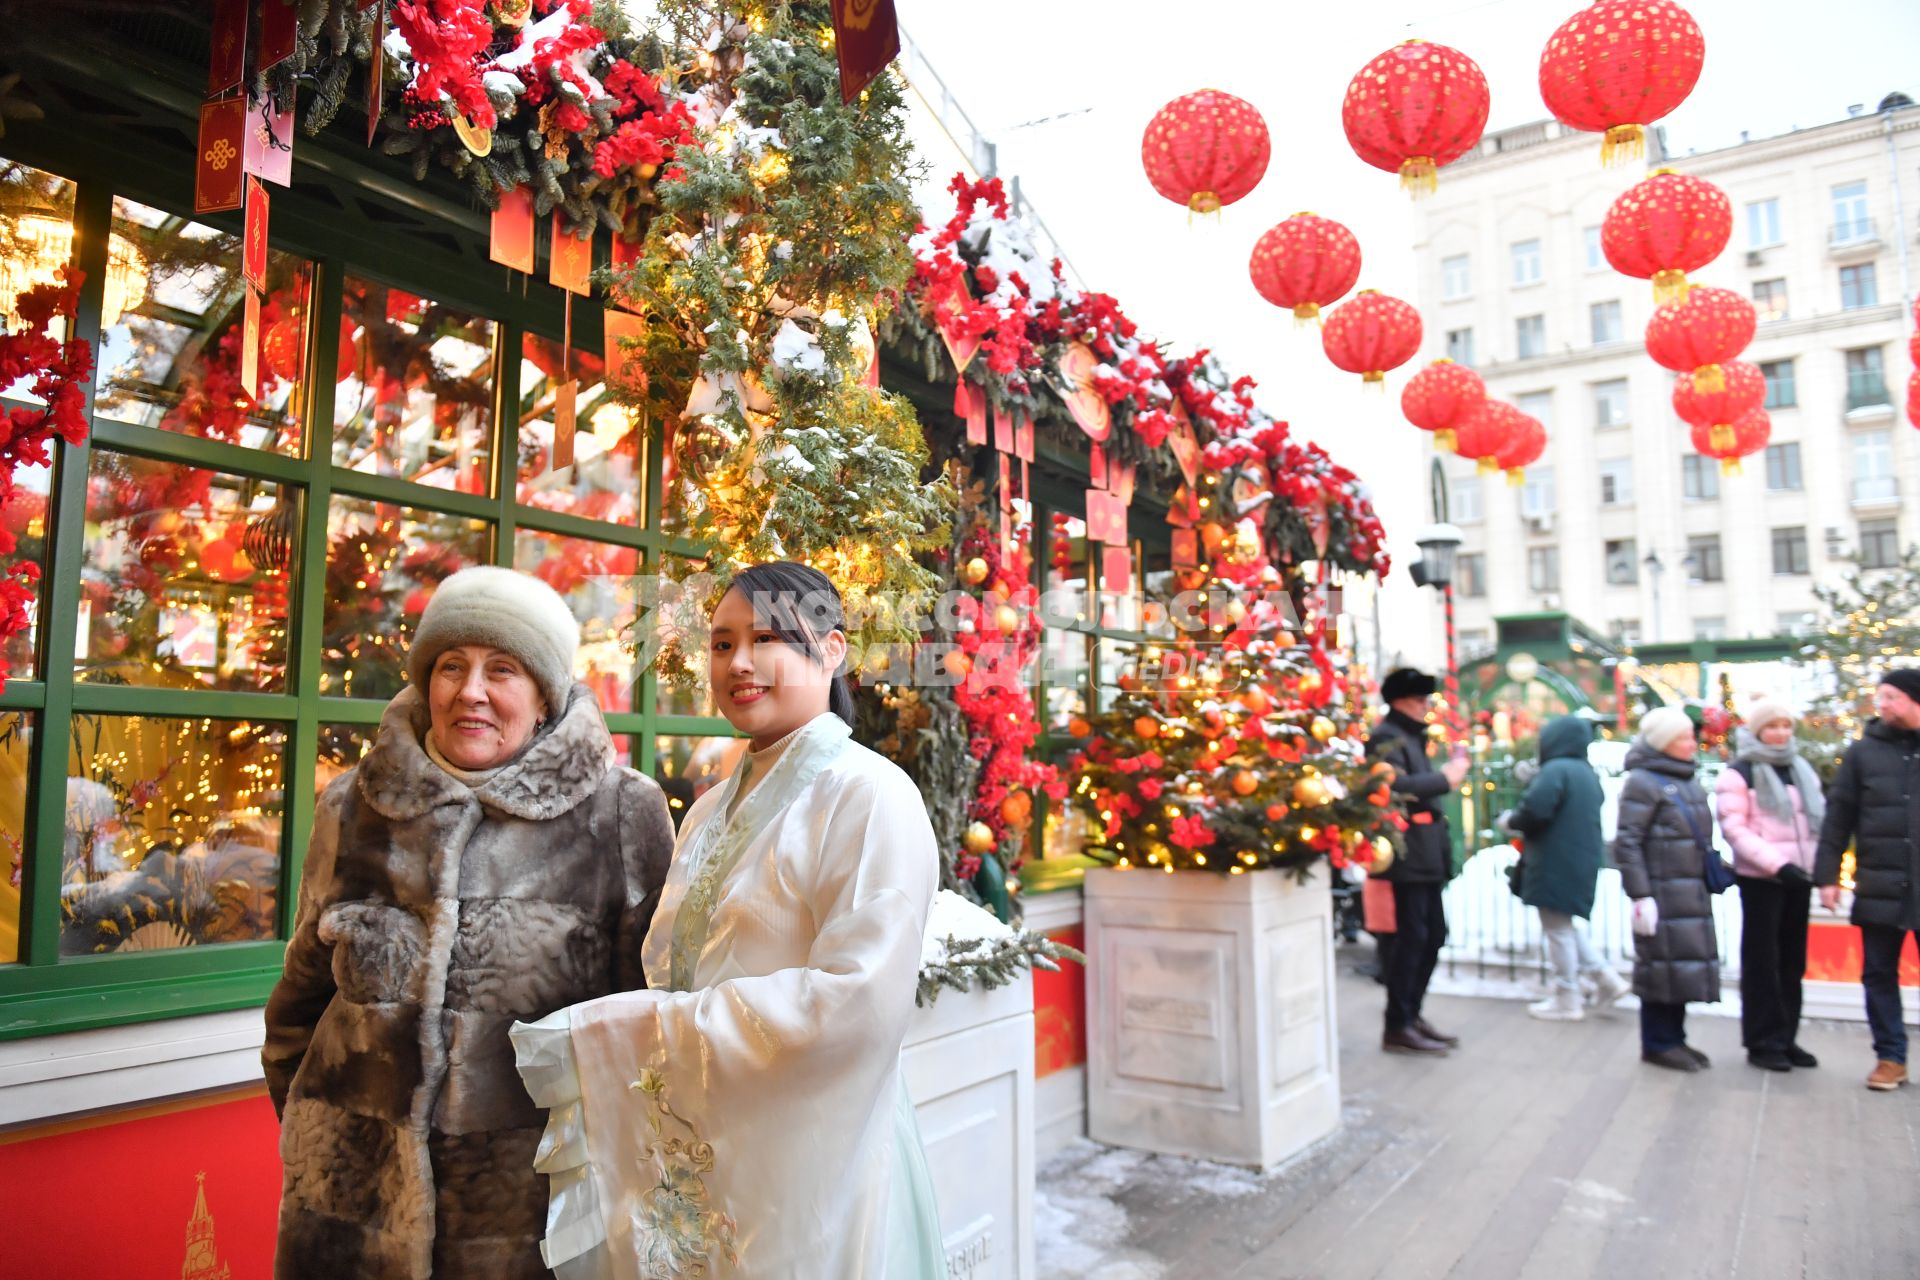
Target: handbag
column 1714, row 870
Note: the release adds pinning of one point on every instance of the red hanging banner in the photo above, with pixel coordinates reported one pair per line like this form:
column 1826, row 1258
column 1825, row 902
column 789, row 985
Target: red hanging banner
column 277, row 23
column 565, row 415
column 216, row 171
column 1116, row 570
column 622, row 327
column 1186, row 548
column 376, row 70
column 228, row 42
column 511, row 239
column 971, row 403
column 1023, row 437
column 866, row 36
column 1002, row 430
column 250, row 345
column 1185, row 445
column 570, row 260
column 948, row 307
column 253, row 256
column 268, row 152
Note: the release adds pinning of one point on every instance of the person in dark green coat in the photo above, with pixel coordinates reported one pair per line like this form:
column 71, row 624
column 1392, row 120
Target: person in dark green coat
column 1559, row 820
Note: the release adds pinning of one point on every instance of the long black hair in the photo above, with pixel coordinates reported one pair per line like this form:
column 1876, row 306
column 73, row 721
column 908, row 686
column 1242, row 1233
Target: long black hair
column 799, row 604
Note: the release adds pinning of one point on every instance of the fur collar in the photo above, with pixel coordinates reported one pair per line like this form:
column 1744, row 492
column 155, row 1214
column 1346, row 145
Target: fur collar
column 560, row 768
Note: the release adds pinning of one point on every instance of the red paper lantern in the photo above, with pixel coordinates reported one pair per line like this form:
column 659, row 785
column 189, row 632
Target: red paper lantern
column 1528, row 444
column 1700, row 332
column 1913, row 397
column 280, row 349
column 1742, row 389
column 1439, row 398
column 1206, row 150
column 1745, row 436
column 1618, row 66
column 1414, row 108
column 1487, row 432
column 1664, row 227
column 1913, row 350
column 1305, row 263
column 1370, row 334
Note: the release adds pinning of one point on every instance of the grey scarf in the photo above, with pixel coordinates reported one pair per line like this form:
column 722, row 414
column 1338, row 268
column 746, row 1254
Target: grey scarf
column 1768, row 790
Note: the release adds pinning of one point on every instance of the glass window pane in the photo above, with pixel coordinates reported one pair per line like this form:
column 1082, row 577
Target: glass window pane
column 686, row 768
column 418, row 404
column 172, row 329
column 607, row 480
column 601, row 585
column 172, row 833
column 36, row 240
column 1064, row 655
column 341, row 748
column 383, row 563
column 1066, row 572
column 169, row 593
column 25, row 517
column 16, row 740
column 671, row 611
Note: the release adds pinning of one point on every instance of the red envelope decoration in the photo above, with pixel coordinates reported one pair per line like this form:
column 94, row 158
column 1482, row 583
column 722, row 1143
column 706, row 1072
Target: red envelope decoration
column 1185, row 445
column 1002, row 430
column 228, row 44
column 569, row 260
column 277, row 22
column 1084, row 401
column 622, row 326
column 1023, row 437
column 1116, row 570
column 970, row 402
column 1106, row 517
column 217, row 175
column 948, row 308
column 511, row 239
column 1186, row 548
column 1319, row 524
column 268, row 151
column 253, row 256
column 565, row 419
column 250, row 346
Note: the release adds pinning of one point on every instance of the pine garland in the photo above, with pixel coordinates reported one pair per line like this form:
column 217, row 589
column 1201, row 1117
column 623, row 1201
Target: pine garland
column 980, row 964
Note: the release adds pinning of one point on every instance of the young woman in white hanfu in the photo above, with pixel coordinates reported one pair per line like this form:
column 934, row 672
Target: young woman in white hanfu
column 745, row 1115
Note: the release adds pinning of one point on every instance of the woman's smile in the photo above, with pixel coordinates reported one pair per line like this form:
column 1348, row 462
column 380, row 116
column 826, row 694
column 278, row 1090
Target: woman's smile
column 743, row 694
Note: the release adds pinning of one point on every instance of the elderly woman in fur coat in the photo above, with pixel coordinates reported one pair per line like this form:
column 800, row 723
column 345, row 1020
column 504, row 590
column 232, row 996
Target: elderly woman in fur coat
column 485, row 862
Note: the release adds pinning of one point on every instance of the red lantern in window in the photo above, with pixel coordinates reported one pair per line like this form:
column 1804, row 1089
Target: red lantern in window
column 1742, row 389
column 1664, row 227
column 1528, row 444
column 1370, row 334
column 1745, row 436
column 1205, row 150
column 1619, row 65
column 1487, row 432
column 1305, row 263
column 1439, row 398
column 1414, row 108
column 1701, row 332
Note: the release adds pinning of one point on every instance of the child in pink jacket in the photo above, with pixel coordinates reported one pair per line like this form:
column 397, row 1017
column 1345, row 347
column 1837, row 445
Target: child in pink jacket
column 1770, row 804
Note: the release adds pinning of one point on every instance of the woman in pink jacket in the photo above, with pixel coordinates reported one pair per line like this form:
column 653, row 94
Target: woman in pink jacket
column 1770, row 810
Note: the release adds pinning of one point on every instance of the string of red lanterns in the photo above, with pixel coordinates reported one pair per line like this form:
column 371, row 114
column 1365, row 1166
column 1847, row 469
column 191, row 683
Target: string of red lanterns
column 1742, row 389
column 1527, row 445
column 1744, row 437
column 1701, row 332
column 1440, row 397
column 1488, row 432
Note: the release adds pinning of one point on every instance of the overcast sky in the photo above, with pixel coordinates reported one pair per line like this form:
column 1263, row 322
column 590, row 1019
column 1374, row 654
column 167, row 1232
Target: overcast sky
column 1771, row 65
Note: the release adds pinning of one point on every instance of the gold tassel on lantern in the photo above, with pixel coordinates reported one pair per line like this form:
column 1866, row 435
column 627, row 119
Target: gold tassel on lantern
column 1419, row 176
column 1624, row 142
column 1446, row 439
column 1730, row 467
column 1709, row 378
column 1721, row 437
column 1516, row 476
column 1202, row 202
column 1375, row 378
column 1487, row 466
column 1669, row 286
column 1305, row 315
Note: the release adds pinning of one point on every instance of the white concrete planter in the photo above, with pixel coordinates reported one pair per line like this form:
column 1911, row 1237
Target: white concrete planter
column 968, row 1061
column 1210, row 1014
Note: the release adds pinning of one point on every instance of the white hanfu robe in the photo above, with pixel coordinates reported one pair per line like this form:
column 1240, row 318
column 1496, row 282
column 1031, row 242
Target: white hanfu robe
column 745, row 1116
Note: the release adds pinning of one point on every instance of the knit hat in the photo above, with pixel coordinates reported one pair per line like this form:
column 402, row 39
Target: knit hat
column 1905, row 679
column 505, row 610
column 1766, row 711
column 1662, row 726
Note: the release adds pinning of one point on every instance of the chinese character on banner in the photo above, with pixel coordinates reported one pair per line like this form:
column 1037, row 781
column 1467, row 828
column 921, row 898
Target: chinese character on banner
column 570, row 259
column 866, row 36
column 250, row 345
column 217, row 174
column 253, row 257
column 511, row 241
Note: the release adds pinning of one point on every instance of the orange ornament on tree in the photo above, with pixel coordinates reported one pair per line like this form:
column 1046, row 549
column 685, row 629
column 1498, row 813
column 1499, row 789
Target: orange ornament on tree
column 1370, row 334
column 1743, row 388
column 1305, row 263
column 1244, row 783
column 1664, row 227
column 1206, row 150
column 1146, row 727
column 1414, row 108
column 1700, row 332
column 1746, row 436
column 1618, row 66
column 1527, row 446
column 1440, row 397
column 1487, row 432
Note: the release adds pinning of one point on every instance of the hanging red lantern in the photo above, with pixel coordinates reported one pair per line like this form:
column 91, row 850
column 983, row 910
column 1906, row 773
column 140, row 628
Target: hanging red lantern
column 1527, row 446
column 1370, row 334
column 1742, row 389
column 280, row 348
column 1305, row 263
column 1439, row 398
column 1913, row 397
column 1664, row 227
column 1617, row 66
column 1206, row 150
column 1742, row 438
column 1414, row 108
column 1487, row 432
column 1700, row 332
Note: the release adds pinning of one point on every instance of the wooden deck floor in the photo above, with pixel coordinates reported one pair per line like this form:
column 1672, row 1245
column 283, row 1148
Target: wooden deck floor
column 1537, row 1150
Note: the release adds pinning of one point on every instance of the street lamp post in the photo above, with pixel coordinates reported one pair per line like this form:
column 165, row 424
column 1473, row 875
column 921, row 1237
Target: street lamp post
column 1439, row 548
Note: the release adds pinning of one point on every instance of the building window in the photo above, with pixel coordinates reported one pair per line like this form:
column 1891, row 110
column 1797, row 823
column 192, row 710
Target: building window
column 1616, row 482
column 1610, row 403
column 1530, row 336
column 1622, row 562
column 1873, row 479
column 1536, row 404
column 1770, row 299
column 1596, row 256
column 1526, row 262
column 1605, row 320
column 1474, row 640
column 1858, row 288
column 1709, row 628
column 1543, row 569
column 1791, row 624
column 1866, row 378
column 1783, row 466
column 1464, row 503
column 1780, row 389
column 1850, row 220
column 1470, row 574
column 1625, row 631
column 1790, row 549
column 1763, row 224
column 1537, row 495
column 1460, row 346
column 1456, row 277
column 1703, row 554
column 1879, row 544
column 1699, row 477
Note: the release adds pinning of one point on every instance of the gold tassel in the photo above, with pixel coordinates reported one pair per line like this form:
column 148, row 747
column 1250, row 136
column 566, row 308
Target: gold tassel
column 1375, row 379
column 1669, row 286
column 1721, row 437
column 1203, row 202
column 1446, row 439
column 1419, row 176
column 1516, row 476
column 1710, row 378
column 1623, row 142
column 1730, row 467
column 1306, row 315
column 1487, row 466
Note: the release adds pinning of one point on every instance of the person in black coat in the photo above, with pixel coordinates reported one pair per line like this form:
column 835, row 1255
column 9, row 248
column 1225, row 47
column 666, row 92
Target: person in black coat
column 1420, row 873
column 1874, row 802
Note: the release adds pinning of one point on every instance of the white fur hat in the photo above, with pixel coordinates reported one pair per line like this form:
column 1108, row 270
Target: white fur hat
column 505, row 610
column 1766, row 711
column 1662, row 725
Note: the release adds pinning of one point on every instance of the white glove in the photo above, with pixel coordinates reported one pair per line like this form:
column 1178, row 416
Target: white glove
column 1504, row 824
column 1526, row 771
column 1646, row 917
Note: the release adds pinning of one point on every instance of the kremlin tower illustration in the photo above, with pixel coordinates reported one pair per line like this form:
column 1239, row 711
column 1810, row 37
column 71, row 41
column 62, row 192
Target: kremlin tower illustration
column 203, row 1260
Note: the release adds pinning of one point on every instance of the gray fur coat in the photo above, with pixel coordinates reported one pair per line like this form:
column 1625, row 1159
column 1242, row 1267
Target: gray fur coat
column 431, row 916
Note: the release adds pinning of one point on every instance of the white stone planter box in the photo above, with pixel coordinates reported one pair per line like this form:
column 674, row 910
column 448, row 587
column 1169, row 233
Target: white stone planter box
column 1210, row 1014
column 968, row 1061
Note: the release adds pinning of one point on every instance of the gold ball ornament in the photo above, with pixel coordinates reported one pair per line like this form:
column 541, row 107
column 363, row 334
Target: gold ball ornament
column 1236, row 611
column 1382, row 855
column 1007, row 618
column 957, row 662
column 975, row 571
column 1244, row 782
column 978, row 839
column 1311, row 792
column 1322, row 729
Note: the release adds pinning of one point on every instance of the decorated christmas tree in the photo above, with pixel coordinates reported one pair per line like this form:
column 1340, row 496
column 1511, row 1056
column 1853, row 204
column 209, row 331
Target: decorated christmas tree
column 1868, row 621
